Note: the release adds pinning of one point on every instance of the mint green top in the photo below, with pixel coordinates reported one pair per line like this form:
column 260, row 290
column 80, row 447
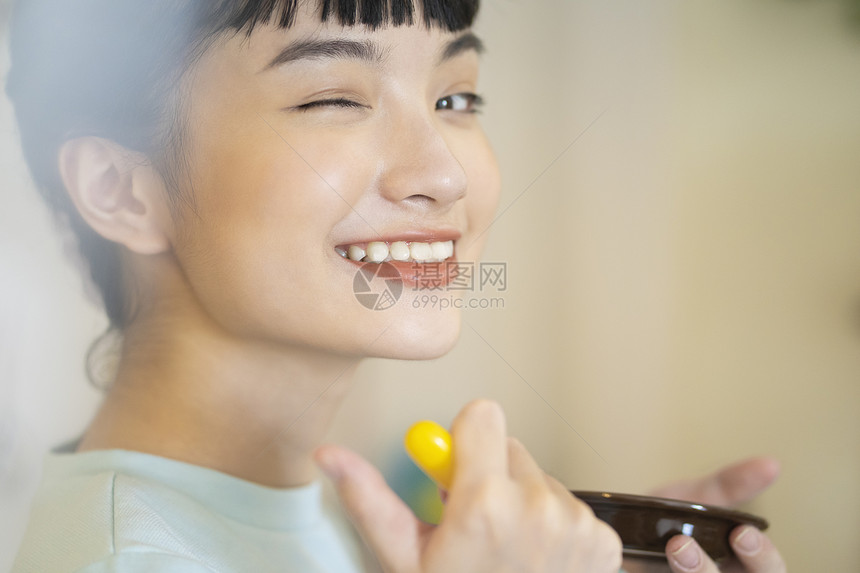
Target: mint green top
column 127, row 512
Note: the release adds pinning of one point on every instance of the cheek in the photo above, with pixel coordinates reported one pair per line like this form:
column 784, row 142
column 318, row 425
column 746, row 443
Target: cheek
column 293, row 181
column 257, row 202
column 260, row 249
column 484, row 186
column 259, row 213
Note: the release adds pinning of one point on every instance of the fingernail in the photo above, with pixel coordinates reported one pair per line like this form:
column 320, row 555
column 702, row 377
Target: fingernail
column 443, row 495
column 687, row 557
column 749, row 541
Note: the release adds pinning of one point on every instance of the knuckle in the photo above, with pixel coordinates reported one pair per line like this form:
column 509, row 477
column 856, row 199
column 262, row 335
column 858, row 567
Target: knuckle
column 554, row 482
column 582, row 512
column 545, row 516
column 588, row 526
column 514, row 445
column 485, row 514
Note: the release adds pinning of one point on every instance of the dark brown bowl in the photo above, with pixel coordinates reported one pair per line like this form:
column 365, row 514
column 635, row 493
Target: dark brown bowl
column 645, row 524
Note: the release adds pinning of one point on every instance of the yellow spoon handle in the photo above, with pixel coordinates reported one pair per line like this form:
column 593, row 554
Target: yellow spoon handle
column 430, row 447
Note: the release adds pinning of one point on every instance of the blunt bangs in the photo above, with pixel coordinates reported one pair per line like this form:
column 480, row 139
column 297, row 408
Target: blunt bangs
column 245, row 15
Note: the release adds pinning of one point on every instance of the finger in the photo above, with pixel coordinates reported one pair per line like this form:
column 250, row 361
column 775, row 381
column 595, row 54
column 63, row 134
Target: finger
column 685, row 556
column 563, row 491
column 755, row 551
column 521, row 465
column 741, row 482
column 730, row 486
column 525, row 469
column 385, row 523
column 481, row 445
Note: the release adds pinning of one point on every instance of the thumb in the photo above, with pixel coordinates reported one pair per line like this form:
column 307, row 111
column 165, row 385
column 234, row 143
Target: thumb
column 386, row 524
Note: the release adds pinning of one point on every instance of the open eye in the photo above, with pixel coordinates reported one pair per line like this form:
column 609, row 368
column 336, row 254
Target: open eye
column 462, row 102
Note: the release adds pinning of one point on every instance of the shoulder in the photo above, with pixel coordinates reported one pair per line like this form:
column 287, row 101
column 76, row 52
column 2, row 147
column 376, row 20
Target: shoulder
column 128, row 512
column 112, row 520
column 145, row 563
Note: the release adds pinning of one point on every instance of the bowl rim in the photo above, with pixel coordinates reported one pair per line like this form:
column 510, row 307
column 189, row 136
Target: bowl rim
column 664, row 503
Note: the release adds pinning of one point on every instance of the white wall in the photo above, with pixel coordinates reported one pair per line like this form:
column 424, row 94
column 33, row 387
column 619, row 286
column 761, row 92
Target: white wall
column 683, row 280
column 46, row 325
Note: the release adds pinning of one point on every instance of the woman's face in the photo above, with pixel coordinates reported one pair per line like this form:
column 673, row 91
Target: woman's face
column 306, row 141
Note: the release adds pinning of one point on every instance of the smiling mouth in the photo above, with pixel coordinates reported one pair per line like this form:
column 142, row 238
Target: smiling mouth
column 397, row 251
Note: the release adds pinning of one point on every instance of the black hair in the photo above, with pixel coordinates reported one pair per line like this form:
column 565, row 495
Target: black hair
column 113, row 69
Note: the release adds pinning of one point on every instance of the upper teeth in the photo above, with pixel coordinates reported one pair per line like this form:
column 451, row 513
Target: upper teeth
column 378, row 252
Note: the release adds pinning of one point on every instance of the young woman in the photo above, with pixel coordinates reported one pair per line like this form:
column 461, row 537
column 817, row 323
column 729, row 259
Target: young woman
column 226, row 166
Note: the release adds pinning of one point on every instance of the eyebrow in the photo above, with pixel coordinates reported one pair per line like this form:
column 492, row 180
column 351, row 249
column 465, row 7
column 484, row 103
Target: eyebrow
column 327, row 50
column 462, row 43
column 367, row 50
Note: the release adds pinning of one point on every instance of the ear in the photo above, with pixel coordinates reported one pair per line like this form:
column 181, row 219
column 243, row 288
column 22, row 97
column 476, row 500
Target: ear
column 117, row 192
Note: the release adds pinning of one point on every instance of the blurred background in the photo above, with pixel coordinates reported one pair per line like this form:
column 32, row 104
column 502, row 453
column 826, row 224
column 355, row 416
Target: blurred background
column 680, row 225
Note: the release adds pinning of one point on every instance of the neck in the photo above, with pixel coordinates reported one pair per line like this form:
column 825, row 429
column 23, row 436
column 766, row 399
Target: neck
column 246, row 408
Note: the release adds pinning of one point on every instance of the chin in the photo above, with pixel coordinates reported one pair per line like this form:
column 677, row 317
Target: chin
column 419, row 337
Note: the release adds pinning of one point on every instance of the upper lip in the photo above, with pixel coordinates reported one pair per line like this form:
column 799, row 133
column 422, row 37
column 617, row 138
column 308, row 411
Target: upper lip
column 413, row 236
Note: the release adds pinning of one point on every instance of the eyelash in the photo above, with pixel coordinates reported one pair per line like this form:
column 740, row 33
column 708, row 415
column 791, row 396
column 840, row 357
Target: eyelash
column 336, row 102
column 473, row 102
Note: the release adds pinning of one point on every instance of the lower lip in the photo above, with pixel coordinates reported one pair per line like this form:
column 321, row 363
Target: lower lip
column 421, row 276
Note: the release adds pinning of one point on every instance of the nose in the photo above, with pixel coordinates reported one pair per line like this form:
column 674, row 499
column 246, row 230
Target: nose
column 421, row 167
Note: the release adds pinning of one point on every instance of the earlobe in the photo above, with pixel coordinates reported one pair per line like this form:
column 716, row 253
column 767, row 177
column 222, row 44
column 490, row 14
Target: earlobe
column 112, row 193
